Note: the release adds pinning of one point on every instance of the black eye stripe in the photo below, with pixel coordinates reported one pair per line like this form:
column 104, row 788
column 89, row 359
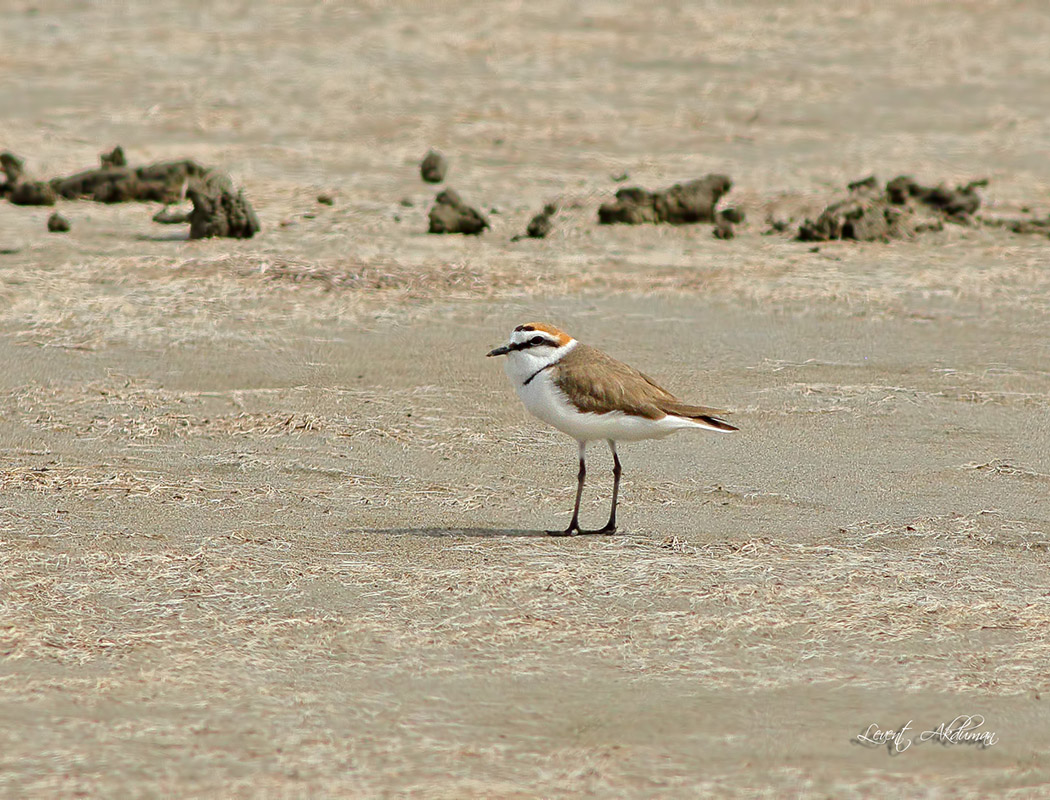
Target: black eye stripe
column 535, row 341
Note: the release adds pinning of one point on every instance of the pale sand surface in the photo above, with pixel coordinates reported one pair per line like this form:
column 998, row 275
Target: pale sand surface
column 270, row 522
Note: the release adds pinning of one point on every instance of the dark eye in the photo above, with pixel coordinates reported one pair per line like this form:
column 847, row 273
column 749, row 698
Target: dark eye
column 536, row 340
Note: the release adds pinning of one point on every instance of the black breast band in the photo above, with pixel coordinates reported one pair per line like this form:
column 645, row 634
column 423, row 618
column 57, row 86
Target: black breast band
column 528, row 380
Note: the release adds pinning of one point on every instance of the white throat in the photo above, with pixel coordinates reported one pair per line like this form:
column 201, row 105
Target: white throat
column 521, row 365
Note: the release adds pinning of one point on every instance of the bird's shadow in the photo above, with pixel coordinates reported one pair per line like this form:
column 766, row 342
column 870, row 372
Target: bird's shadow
column 454, row 533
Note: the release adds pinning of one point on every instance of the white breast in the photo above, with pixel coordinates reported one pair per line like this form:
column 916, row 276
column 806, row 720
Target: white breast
column 545, row 400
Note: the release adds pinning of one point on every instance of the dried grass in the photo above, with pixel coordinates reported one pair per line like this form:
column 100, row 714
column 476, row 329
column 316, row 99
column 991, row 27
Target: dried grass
column 246, row 606
column 154, row 300
column 938, row 580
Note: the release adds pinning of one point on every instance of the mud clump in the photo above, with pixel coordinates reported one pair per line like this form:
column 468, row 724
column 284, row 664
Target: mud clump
column 681, row 204
column 1031, row 225
column 32, row 193
column 433, row 167
column 901, row 210
column 776, row 225
column 171, row 216
column 219, row 210
column 633, row 206
column 725, row 222
column 691, row 202
column 450, row 214
column 165, row 182
column 724, row 229
column 961, row 203
column 20, row 191
column 12, row 166
column 114, row 158
column 56, row 223
column 862, row 217
column 540, row 225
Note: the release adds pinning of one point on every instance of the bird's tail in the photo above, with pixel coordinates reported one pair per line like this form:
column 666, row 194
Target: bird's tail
column 701, row 415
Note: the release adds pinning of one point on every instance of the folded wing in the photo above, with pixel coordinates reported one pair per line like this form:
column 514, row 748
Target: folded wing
column 597, row 384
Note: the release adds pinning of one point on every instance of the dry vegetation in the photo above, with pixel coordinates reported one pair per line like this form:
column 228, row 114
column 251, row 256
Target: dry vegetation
column 148, row 620
column 148, row 301
column 252, row 544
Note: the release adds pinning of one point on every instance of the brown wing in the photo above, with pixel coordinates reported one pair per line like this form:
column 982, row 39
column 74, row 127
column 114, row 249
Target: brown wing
column 597, row 383
column 699, row 414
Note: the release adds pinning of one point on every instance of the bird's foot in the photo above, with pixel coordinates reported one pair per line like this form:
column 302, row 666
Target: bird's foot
column 572, row 530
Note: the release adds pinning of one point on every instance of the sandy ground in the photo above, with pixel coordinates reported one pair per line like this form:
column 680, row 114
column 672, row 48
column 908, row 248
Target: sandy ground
column 270, row 523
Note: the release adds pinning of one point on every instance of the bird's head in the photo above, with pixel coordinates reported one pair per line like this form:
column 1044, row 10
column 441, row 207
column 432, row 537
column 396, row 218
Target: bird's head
column 534, row 342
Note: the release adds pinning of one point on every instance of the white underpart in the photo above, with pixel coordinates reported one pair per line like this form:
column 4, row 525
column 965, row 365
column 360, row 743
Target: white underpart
column 545, row 400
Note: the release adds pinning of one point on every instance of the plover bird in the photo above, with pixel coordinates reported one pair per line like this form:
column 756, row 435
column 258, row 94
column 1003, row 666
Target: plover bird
column 588, row 395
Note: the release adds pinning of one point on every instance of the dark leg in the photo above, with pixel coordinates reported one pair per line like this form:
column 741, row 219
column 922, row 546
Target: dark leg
column 574, row 526
column 610, row 526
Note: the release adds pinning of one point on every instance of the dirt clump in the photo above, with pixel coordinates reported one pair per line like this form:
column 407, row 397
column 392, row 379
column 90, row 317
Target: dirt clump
column 633, row 206
column 681, row 204
column 776, row 225
column 169, row 215
column 220, row 210
column 864, row 216
column 902, row 209
column 734, row 215
column 450, row 214
column 114, row 158
column 726, row 221
column 12, row 166
column 56, row 223
column 19, row 191
column 540, row 225
column 724, row 229
column 960, row 203
column 1030, row 225
column 433, row 167
column 32, row 193
column 164, row 182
